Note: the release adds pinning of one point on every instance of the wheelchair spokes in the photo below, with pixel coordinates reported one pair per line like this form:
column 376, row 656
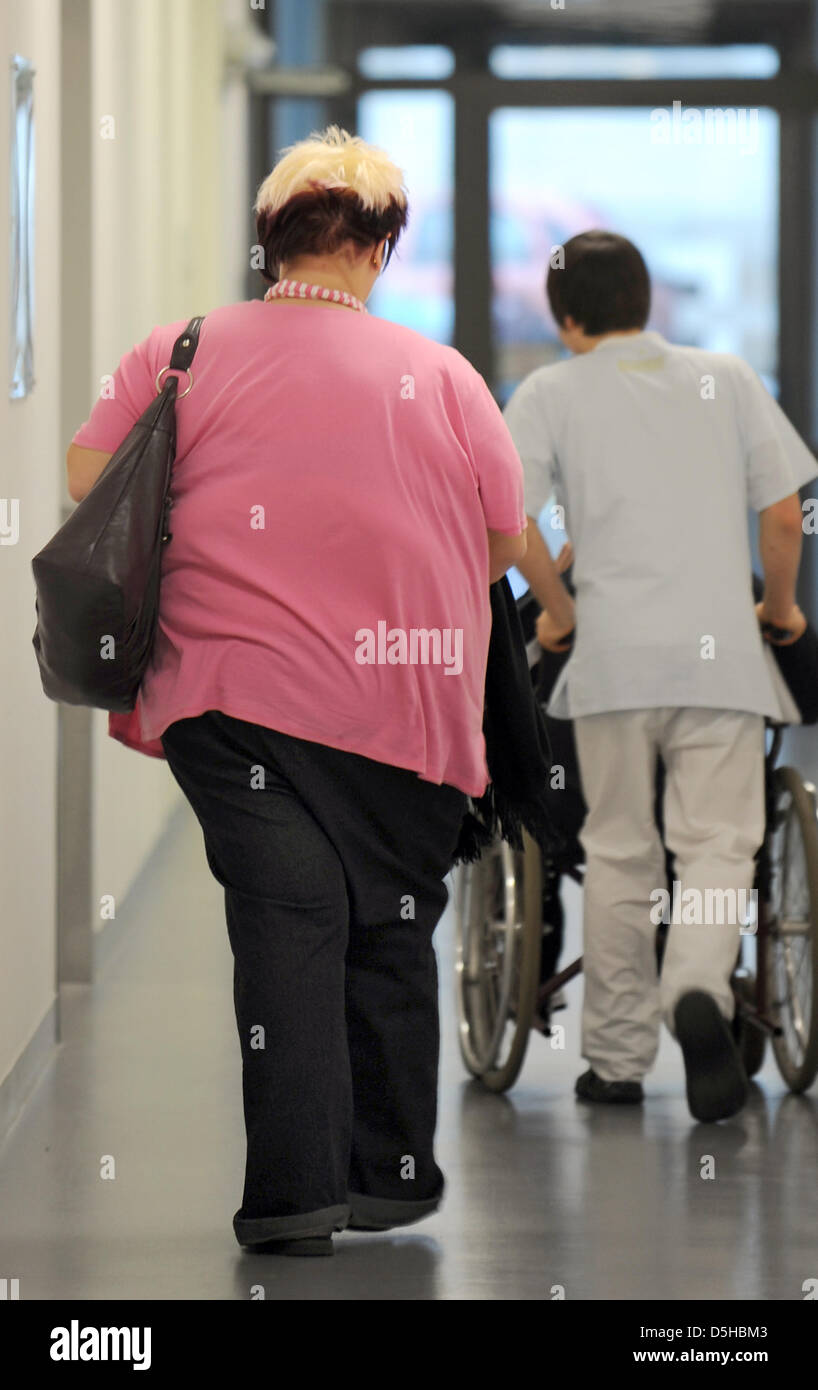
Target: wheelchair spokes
column 497, row 966
column 792, row 925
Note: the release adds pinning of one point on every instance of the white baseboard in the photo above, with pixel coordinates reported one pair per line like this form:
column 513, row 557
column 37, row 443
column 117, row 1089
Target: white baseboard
column 27, row 1070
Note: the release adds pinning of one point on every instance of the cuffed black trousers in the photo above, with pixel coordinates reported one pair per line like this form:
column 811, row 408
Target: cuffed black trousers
column 332, row 867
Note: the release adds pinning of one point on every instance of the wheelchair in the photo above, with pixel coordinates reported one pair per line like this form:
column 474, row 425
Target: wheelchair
column 508, row 936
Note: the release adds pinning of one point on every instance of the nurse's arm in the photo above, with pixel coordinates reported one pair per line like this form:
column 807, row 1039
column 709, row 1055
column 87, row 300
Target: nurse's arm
column 779, row 548
column 544, row 581
column 504, row 551
column 83, row 467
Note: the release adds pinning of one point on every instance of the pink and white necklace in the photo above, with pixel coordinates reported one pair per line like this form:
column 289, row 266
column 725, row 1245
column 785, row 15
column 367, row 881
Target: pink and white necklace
column 300, row 289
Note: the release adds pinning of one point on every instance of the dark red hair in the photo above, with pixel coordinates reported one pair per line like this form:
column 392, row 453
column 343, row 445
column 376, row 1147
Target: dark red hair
column 318, row 221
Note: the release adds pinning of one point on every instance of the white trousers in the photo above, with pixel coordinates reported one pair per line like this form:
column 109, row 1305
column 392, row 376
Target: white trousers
column 714, row 824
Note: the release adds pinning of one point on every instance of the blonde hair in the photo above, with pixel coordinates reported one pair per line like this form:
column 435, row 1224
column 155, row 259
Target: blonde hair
column 325, row 192
column 333, row 159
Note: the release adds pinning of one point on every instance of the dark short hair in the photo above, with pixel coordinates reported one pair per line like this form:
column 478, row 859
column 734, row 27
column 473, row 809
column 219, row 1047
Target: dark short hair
column 318, row 221
column 604, row 284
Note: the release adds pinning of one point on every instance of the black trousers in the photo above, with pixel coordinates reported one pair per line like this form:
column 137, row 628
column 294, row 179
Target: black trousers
column 333, row 869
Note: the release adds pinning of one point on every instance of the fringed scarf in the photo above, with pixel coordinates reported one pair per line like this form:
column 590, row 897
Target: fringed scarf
column 517, row 747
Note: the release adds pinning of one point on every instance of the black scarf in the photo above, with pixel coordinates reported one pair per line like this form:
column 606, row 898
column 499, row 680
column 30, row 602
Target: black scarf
column 517, row 748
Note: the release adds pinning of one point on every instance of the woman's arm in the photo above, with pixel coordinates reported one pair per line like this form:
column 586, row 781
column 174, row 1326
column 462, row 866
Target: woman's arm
column 504, row 551
column 84, row 467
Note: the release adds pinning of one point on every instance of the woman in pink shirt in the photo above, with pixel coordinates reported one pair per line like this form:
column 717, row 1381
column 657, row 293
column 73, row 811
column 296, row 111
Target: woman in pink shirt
column 344, row 492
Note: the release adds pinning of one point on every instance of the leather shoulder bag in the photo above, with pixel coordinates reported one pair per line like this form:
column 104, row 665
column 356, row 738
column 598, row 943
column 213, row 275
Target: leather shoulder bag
column 97, row 579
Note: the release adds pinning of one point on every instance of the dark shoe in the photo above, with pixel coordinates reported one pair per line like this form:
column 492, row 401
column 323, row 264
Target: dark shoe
column 383, row 1213
column 591, row 1087
column 305, row 1245
column 716, row 1080
column 307, row 1233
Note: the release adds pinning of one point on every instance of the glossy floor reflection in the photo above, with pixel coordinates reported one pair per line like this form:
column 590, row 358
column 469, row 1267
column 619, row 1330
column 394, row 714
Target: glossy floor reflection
column 546, row 1197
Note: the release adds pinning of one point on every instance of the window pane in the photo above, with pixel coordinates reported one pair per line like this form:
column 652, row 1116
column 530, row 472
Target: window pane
column 703, row 214
column 417, row 130
column 421, row 60
column 734, row 60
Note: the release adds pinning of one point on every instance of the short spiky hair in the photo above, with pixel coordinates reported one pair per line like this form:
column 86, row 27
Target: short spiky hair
column 327, row 190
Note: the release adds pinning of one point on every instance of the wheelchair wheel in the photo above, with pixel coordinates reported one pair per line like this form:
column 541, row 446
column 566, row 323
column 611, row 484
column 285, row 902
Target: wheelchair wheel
column 792, row 945
column 751, row 1042
column 499, row 930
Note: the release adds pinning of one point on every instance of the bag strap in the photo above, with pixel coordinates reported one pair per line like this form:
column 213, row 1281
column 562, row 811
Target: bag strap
column 185, row 346
column 180, row 359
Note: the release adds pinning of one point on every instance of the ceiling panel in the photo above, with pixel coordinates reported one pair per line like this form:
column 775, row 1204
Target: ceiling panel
column 717, row 20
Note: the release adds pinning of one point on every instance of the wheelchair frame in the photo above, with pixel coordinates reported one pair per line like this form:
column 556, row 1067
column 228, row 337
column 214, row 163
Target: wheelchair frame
column 495, row 990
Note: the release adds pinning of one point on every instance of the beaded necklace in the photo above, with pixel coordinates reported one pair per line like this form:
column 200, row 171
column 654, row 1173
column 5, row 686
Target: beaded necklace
column 300, row 289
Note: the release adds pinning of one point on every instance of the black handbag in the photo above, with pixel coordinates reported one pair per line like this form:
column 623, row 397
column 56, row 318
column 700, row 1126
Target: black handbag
column 97, row 579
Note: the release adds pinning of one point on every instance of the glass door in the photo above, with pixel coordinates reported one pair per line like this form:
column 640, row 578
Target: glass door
column 702, row 209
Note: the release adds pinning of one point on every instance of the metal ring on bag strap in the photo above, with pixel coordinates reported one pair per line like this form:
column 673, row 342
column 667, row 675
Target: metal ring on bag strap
column 183, row 353
column 175, row 369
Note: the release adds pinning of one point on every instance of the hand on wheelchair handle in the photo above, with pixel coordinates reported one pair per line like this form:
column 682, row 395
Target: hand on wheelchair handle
column 780, row 635
column 552, row 637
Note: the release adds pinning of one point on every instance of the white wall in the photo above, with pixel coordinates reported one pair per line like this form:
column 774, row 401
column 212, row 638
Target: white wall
column 29, row 471
column 162, row 248
column 157, row 225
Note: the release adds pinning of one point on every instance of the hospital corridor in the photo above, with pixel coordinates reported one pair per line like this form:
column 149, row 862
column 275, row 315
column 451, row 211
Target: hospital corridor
column 409, row 583
column 545, row 1199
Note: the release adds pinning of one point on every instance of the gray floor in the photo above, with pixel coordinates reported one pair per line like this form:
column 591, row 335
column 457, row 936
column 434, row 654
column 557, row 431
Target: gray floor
column 545, row 1196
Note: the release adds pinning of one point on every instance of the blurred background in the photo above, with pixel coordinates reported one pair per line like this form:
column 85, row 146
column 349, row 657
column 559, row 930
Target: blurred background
column 687, row 125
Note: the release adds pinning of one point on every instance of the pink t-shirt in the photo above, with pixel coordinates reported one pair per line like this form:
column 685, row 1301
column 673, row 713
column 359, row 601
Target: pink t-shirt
column 328, row 572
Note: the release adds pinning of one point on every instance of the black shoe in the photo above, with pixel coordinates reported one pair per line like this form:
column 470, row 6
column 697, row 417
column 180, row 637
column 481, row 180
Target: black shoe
column 384, row 1213
column 304, row 1233
column 302, row 1245
column 716, row 1080
column 591, row 1087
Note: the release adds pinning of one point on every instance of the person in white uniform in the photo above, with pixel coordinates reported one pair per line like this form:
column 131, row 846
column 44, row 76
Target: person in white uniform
column 655, row 452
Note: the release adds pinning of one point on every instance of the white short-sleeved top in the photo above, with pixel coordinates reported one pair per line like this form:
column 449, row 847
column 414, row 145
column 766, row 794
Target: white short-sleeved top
column 656, row 452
